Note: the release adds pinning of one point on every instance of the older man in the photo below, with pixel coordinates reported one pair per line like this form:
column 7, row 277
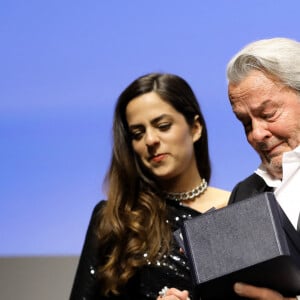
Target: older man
column 264, row 91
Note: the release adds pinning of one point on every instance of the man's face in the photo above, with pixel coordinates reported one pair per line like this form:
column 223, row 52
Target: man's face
column 270, row 114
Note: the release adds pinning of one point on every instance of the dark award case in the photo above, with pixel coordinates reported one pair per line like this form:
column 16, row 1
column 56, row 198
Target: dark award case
column 251, row 241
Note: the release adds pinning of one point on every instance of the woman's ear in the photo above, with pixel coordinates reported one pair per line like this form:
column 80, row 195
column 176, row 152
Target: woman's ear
column 196, row 129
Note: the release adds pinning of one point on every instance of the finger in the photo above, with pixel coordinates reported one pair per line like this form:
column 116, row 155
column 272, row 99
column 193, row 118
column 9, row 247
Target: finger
column 182, row 295
column 254, row 292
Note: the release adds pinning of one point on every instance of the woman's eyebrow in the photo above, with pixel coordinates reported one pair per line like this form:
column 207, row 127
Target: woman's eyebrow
column 159, row 118
column 152, row 122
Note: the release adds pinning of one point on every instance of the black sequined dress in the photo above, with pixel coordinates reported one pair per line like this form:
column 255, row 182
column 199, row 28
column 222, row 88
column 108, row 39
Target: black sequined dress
column 171, row 271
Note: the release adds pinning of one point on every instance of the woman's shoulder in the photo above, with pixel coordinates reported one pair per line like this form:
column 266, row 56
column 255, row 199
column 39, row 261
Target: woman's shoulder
column 220, row 197
column 211, row 198
column 99, row 206
column 96, row 213
column 218, row 192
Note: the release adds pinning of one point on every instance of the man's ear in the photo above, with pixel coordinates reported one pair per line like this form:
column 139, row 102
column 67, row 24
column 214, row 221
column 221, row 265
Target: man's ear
column 196, row 129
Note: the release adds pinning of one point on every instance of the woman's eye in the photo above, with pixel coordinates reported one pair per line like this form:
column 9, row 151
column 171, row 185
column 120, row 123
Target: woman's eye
column 137, row 135
column 164, row 126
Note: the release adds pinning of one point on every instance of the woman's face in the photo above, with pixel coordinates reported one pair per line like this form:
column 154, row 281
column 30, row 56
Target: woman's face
column 162, row 138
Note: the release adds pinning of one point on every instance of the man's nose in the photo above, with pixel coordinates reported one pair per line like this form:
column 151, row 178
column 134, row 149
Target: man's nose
column 259, row 131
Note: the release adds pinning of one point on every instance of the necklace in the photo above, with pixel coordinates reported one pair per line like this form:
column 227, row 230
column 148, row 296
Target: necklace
column 183, row 196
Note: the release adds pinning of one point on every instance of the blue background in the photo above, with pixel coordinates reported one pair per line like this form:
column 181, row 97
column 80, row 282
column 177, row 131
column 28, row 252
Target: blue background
column 62, row 67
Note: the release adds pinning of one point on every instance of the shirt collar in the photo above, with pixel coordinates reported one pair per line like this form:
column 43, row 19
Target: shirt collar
column 288, row 157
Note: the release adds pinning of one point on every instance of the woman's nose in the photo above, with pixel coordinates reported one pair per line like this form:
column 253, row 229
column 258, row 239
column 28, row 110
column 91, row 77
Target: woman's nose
column 151, row 138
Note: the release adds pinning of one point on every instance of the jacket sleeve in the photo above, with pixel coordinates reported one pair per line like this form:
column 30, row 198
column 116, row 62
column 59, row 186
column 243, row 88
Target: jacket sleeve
column 85, row 283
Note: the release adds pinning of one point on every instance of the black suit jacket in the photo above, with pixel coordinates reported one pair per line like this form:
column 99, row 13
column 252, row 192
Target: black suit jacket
column 252, row 186
column 249, row 187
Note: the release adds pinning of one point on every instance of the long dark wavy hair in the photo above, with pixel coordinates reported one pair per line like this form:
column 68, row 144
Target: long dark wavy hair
column 133, row 220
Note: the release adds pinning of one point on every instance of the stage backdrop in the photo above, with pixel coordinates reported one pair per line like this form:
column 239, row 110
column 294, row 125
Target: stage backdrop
column 62, row 67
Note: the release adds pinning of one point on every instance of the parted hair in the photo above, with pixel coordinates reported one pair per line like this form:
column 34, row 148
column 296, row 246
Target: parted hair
column 132, row 223
column 279, row 57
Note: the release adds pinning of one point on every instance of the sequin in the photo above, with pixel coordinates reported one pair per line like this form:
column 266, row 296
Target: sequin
column 171, row 269
column 92, row 270
column 177, row 258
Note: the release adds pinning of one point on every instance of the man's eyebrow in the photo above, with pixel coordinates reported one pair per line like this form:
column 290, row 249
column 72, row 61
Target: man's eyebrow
column 257, row 109
column 262, row 106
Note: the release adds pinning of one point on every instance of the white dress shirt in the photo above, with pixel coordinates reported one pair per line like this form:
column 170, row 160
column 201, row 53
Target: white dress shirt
column 287, row 190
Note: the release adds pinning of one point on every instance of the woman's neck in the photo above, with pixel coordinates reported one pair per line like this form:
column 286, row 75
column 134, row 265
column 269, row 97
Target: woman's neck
column 182, row 184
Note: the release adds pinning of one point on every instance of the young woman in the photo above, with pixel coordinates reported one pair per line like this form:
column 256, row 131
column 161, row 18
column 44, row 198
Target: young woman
column 158, row 177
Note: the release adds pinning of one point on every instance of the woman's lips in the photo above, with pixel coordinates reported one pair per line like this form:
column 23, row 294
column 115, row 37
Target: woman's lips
column 158, row 158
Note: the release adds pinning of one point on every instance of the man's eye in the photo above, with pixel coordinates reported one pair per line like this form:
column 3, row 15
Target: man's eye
column 164, row 126
column 268, row 115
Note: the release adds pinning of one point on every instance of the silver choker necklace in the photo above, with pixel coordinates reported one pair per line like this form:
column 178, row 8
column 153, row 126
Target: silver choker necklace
column 183, row 196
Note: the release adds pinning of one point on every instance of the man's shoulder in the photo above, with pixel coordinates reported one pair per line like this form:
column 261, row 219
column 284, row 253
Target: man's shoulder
column 250, row 186
column 253, row 180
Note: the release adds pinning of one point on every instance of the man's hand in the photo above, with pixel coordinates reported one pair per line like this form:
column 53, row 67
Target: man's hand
column 258, row 293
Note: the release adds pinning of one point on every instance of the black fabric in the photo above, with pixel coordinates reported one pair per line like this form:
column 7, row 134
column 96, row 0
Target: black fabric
column 251, row 241
column 249, row 187
column 172, row 270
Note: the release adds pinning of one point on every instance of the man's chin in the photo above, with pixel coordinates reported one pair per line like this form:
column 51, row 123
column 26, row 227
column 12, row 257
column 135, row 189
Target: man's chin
column 274, row 168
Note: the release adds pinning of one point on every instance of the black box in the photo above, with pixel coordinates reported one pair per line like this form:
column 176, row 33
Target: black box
column 251, row 241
